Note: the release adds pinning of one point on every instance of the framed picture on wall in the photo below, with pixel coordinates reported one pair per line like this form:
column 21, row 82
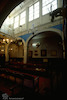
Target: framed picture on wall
column 43, row 52
column 36, row 53
column 30, row 53
column 53, row 53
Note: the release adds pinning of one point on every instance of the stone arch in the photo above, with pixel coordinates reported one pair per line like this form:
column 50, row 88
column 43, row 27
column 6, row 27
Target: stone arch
column 59, row 32
column 48, row 40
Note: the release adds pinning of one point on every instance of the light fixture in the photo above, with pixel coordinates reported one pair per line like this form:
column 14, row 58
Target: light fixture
column 11, row 40
column 3, row 40
column 7, row 40
column 2, row 50
column 34, row 44
column 11, row 49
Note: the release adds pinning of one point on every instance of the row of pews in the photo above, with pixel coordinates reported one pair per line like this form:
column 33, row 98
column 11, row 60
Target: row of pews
column 23, row 78
column 35, row 69
column 17, row 77
column 16, row 81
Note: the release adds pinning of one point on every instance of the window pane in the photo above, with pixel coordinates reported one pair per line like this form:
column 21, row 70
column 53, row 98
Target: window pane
column 36, row 10
column 36, row 4
column 46, row 6
column 22, row 21
column 30, row 9
column 23, row 14
column 30, row 18
column 11, row 21
column 22, row 18
column 54, row 5
column 16, row 18
column 16, row 23
column 36, row 16
column 31, row 13
column 44, row 11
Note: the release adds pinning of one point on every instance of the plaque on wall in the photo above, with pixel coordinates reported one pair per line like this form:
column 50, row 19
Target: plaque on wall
column 43, row 52
column 53, row 53
column 30, row 53
column 36, row 53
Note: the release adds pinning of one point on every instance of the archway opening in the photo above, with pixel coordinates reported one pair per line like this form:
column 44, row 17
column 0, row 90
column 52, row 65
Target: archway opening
column 45, row 45
column 16, row 51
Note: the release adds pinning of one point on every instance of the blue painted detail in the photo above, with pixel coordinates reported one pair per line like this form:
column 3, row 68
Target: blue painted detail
column 59, row 27
column 26, row 36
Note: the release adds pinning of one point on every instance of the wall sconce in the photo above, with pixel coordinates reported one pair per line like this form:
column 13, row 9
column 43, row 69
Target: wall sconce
column 3, row 40
column 11, row 49
column 11, row 40
column 2, row 50
column 6, row 40
column 36, row 44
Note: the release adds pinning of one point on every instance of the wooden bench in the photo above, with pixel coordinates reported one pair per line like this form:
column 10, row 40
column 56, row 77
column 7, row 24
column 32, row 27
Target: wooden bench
column 30, row 82
column 13, row 82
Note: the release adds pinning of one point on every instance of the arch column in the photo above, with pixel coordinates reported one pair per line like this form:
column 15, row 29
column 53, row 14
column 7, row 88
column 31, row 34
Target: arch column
column 25, row 54
column 6, row 52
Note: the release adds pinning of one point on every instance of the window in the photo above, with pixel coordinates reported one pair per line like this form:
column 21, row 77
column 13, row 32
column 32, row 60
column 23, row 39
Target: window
column 48, row 5
column 11, row 21
column 22, row 18
column 16, row 23
column 31, row 13
column 34, row 11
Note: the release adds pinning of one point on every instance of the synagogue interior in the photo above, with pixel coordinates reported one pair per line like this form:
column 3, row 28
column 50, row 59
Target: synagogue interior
column 32, row 48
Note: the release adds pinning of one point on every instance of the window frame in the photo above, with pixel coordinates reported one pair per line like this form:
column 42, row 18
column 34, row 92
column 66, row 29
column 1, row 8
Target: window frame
column 44, row 6
column 34, row 11
column 16, row 23
column 22, row 18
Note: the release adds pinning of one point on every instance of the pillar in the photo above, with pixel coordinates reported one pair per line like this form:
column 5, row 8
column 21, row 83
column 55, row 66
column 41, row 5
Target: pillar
column 25, row 54
column 6, row 53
